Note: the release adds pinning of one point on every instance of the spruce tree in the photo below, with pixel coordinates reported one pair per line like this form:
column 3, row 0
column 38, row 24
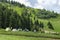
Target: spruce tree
column 50, row 26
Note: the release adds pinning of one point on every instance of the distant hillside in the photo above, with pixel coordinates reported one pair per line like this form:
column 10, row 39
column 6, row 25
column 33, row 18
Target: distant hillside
column 17, row 15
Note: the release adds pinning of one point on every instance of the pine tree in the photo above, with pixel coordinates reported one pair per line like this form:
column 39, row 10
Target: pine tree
column 50, row 26
column 41, row 25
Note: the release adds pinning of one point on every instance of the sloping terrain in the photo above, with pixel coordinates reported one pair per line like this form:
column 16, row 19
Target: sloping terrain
column 54, row 21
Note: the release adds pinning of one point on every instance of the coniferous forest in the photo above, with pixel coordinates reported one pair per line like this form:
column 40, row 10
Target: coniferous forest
column 10, row 18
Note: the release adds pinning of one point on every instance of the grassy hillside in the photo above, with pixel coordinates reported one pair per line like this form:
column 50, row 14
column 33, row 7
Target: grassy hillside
column 55, row 21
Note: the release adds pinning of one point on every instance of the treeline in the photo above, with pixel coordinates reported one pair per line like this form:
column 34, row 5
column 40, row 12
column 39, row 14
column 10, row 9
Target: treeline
column 10, row 18
column 13, row 3
column 41, row 13
column 46, row 14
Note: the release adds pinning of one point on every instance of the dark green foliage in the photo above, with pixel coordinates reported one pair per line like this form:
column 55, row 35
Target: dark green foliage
column 36, row 25
column 13, row 3
column 8, row 17
column 17, row 4
column 44, row 14
column 25, row 20
column 50, row 26
column 41, row 25
column 3, row 0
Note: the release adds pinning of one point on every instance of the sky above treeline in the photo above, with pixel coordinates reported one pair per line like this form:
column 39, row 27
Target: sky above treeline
column 42, row 4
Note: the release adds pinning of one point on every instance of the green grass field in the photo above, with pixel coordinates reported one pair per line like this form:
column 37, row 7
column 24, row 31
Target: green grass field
column 11, row 37
column 21, row 35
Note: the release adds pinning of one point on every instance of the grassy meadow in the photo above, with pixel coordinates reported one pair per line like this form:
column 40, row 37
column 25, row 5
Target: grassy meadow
column 22, row 35
column 11, row 37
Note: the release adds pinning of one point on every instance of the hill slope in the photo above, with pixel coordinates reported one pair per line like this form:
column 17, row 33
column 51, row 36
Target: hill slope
column 35, row 14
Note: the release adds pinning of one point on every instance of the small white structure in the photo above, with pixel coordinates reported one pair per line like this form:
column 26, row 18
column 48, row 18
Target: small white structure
column 26, row 30
column 14, row 30
column 19, row 29
column 7, row 29
column 35, row 30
